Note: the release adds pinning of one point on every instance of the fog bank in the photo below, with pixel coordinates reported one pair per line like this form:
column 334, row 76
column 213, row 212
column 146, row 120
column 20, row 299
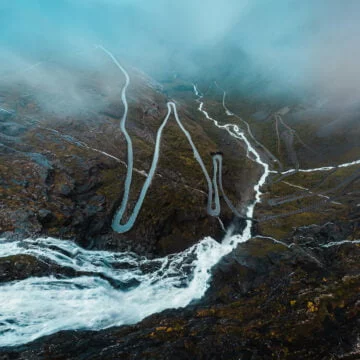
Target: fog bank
column 297, row 45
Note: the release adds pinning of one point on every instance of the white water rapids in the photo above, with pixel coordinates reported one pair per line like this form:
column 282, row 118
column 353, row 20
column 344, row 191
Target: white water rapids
column 118, row 288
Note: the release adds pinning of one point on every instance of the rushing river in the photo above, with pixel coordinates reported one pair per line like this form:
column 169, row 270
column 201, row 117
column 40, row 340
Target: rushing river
column 118, row 288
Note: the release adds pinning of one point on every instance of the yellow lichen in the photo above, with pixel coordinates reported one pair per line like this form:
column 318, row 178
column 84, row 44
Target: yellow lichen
column 161, row 328
column 312, row 307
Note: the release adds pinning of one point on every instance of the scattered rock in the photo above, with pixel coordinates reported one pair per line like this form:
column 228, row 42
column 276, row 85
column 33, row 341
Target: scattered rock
column 265, row 301
column 45, row 216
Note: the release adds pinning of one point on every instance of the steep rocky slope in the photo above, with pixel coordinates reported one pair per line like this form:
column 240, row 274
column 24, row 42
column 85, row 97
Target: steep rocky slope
column 63, row 170
column 291, row 292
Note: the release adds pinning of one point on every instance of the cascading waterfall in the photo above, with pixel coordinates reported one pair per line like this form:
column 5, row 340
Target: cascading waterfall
column 113, row 288
column 325, row 168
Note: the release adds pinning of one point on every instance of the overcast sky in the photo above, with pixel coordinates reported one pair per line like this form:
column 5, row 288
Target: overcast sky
column 314, row 43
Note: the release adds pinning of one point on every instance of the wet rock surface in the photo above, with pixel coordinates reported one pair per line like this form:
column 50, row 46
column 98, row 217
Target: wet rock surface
column 18, row 267
column 266, row 301
column 295, row 296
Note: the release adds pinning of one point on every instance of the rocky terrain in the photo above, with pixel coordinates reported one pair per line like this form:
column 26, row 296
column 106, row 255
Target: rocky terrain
column 62, row 172
column 266, row 301
column 290, row 292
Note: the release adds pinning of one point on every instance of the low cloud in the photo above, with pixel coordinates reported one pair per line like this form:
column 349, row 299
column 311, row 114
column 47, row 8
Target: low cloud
column 299, row 45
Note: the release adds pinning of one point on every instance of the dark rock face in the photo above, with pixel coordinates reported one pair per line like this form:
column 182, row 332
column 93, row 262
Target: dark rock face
column 45, row 216
column 11, row 128
column 265, row 301
column 314, row 235
column 20, row 267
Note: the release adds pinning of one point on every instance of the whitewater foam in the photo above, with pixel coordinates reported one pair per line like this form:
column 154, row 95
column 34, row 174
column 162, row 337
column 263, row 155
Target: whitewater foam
column 39, row 306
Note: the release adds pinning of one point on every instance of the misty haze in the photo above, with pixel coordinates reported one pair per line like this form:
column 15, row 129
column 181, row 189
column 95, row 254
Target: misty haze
column 179, row 179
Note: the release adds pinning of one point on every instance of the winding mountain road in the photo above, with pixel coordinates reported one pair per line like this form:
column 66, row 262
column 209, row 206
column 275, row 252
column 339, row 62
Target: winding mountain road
column 38, row 306
column 236, row 133
column 213, row 202
column 248, row 128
